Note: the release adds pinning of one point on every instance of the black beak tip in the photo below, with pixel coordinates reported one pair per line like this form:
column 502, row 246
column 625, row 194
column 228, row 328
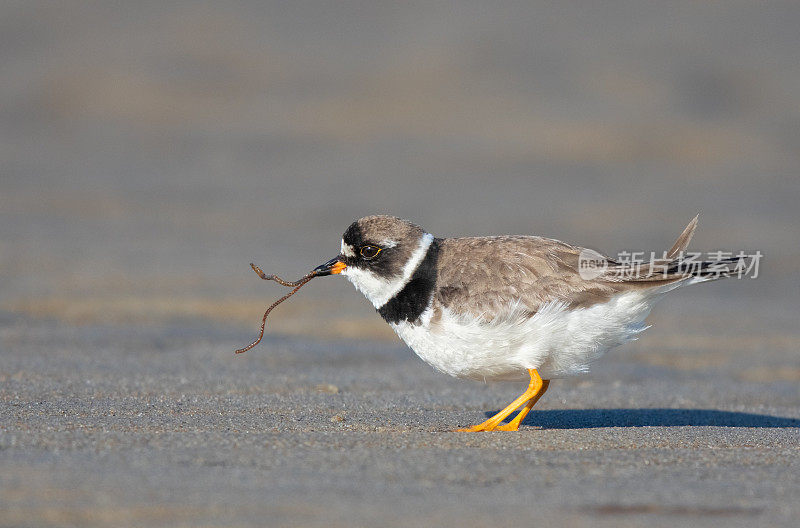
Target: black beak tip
column 325, row 269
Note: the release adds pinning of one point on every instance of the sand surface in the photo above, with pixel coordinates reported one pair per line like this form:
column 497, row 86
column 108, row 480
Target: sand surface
column 129, row 427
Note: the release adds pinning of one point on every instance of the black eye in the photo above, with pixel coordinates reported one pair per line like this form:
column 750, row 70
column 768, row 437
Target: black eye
column 370, row 252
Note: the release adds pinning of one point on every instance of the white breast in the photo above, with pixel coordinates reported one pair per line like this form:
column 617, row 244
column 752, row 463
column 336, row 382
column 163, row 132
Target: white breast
column 556, row 340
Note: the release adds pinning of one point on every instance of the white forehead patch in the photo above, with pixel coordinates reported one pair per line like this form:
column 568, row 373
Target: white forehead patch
column 347, row 250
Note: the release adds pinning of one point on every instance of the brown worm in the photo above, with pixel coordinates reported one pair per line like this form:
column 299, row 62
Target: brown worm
column 296, row 284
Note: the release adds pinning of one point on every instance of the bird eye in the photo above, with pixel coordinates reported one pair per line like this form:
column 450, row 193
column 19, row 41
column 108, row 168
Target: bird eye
column 370, row 252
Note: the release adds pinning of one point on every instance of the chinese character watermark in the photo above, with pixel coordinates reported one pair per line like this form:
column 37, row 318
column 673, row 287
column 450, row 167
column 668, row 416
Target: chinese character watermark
column 638, row 265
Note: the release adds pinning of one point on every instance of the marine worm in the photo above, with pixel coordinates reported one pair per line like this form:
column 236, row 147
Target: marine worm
column 296, row 284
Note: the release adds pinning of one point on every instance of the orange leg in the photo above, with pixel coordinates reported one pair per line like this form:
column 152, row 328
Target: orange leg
column 513, row 425
column 535, row 389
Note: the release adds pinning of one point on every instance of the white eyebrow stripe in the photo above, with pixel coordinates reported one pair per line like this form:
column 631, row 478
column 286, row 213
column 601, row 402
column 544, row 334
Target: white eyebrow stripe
column 387, row 243
column 347, row 250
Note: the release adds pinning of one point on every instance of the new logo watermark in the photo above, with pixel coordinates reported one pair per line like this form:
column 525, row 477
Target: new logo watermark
column 591, row 264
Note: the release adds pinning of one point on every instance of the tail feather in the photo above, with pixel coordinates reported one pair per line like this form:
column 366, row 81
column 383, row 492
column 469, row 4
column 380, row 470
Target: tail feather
column 682, row 243
column 676, row 267
column 704, row 270
column 701, row 270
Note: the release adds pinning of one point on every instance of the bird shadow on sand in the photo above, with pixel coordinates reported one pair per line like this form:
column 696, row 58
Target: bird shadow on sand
column 593, row 418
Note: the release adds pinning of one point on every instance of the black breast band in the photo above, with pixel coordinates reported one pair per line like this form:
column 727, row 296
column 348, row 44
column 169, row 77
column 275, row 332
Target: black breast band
column 409, row 303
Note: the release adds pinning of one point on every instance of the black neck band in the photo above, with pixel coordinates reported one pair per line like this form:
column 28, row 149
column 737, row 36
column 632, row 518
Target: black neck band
column 409, row 303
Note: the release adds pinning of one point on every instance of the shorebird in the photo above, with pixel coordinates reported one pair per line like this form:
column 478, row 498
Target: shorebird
column 507, row 307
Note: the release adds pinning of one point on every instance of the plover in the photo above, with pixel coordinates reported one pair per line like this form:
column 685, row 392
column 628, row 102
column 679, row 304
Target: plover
column 505, row 307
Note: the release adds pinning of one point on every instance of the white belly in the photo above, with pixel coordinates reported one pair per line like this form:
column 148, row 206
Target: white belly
column 556, row 341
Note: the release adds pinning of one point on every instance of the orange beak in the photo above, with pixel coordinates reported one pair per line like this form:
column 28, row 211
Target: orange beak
column 332, row 267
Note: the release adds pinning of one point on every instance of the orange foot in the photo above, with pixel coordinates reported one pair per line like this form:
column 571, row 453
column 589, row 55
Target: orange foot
column 536, row 388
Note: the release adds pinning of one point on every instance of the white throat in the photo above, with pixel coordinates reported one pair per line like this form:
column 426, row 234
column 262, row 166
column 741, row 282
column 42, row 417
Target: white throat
column 380, row 290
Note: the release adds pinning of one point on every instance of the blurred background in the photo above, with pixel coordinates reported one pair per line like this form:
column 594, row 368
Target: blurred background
column 150, row 150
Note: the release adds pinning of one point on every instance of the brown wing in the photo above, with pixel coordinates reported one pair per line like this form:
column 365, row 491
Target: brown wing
column 486, row 276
